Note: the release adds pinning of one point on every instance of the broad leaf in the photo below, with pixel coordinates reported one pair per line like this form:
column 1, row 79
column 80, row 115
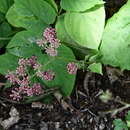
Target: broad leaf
column 39, row 9
column 86, row 28
column 5, row 5
column 8, row 62
column 79, row 5
column 115, row 46
column 5, row 31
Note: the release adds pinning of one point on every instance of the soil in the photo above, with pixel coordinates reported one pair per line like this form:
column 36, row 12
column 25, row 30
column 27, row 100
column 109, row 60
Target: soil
column 83, row 109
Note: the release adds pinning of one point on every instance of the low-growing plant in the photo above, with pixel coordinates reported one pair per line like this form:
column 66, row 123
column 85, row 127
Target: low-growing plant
column 122, row 125
column 43, row 41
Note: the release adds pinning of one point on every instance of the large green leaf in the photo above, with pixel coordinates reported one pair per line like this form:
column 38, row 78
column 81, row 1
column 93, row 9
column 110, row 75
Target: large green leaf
column 115, row 46
column 5, row 31
column 4, row 5
column 86, row 28
column 8, row 62
column 39, row 9
column 79, row 5
column 22, row 45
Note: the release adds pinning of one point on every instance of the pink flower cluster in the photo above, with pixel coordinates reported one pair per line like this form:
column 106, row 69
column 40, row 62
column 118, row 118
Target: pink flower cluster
column 49, row 42
column 46, row 75
column 19, row 92
column 72, row 68
column 21, row 78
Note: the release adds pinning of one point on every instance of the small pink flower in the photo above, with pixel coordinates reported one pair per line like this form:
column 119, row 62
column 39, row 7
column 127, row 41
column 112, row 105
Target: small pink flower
column 29, row 92
column 72, row 68
column 22, row 61
column 21, row 71
column 41, row 42
column 15, row 95
column 50, row 36
column 37, row 89
column 51, row 51
column 24, row 81
column 48, row 75
column 11, row 77
column 55, row 43
column 23, row 89
column 37, row 66
column 32, row 61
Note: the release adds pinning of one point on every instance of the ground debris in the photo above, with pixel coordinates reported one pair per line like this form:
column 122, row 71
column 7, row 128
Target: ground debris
column 13, row 119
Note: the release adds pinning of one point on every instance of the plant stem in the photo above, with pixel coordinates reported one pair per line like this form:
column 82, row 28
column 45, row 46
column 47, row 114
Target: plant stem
column 117, row 110
column 5, row 38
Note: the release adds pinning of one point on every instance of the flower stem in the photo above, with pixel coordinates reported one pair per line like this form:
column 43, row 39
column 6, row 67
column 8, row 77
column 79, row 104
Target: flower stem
column 5, row 38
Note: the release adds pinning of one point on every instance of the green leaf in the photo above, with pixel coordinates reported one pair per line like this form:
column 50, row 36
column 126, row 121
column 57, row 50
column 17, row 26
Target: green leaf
column 53, row 4
column 86, row 28
column 120, row 125
column 128, row 116
column 40, row 10
column 5, row 31
column 5, row 5
column 27, row 37
column 2, row 18
column 96, row 68
column 7, row 62
column 79, row 5
column 128, row 119
column 115, row 46
column 17, row 20
column 61, row 31
column 23, row 44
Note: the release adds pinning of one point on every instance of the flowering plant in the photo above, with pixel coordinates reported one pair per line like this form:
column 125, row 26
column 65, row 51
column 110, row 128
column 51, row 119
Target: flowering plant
column 43, row 40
